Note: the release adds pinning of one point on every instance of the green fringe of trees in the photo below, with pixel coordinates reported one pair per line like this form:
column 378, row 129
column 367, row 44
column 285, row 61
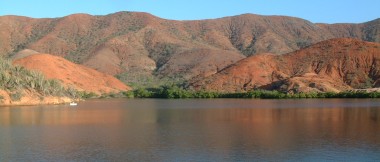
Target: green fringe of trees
column 174, row 92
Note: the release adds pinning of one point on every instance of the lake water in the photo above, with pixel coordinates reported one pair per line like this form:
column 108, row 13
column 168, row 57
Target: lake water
column 193, row 130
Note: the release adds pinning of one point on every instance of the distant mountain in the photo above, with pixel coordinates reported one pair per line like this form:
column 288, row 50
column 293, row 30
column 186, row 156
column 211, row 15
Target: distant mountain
column 334, row 65
column 139, row 45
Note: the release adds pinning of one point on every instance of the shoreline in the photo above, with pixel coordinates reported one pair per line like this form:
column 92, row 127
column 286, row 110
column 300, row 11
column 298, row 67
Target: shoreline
column 185, row 94
column 37, row 102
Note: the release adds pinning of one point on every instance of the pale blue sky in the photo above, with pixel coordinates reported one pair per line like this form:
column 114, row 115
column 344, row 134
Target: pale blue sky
column 327, row 11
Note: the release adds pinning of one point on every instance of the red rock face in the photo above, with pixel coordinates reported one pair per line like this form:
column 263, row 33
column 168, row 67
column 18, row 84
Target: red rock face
column 139, row 43
column 332, row 65
column 70, row 74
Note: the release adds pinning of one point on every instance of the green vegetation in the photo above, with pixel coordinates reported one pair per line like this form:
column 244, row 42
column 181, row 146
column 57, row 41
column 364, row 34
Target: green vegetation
column 16, row 80
column 175, row 92
column 137, row 81
column 16, row 96
column 87, row 95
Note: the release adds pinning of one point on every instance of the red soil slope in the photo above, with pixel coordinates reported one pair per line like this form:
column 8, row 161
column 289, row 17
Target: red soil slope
column 70, row 74
column 332, row 65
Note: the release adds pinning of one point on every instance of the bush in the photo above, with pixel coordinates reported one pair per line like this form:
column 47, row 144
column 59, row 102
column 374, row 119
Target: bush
column 16, row 96
column 174, row 91
column 87, row 95
column 128, row 94
column 142, row 93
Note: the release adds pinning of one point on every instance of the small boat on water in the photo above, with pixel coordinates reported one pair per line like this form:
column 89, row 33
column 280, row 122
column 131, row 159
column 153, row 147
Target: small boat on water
column 73, row 104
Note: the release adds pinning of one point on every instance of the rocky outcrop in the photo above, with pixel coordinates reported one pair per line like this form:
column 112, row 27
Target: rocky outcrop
column 332, row 65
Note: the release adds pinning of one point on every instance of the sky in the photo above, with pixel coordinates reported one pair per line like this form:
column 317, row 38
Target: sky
column 318, row 11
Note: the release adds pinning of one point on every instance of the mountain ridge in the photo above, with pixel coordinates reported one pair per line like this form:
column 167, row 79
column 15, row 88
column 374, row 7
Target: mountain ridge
column 149, row 14
column 141, row 45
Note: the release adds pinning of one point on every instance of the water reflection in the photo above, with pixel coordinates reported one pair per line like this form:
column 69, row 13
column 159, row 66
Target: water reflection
column 183, row 130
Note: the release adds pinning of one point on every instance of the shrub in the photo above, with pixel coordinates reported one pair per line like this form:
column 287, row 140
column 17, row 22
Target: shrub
column 142, row 93
column 87, row 95
column 16, row 96
column 173, row 91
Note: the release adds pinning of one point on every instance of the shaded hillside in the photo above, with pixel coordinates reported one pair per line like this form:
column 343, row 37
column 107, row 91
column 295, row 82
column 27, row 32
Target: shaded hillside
column 139, row 44
column 332, row 65
column 19, row 86
column 368, row 31
column 70, row 74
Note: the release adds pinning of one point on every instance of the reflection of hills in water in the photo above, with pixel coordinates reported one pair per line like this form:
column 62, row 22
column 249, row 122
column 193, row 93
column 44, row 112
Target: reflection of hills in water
column 161, row 127
column 360, row 119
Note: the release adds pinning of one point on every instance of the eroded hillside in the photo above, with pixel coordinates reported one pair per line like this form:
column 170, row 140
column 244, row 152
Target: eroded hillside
column 72, row 75
column 333, row 65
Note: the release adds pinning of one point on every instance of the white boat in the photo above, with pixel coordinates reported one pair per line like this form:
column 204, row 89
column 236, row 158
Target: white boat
column 73, row 104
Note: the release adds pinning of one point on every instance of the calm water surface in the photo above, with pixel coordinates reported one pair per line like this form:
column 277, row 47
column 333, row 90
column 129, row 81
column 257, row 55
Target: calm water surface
column 193, row 130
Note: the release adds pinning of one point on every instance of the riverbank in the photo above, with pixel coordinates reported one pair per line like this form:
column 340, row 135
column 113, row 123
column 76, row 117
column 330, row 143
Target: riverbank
column 27, row 98
column 179, row 93
column 31, row 101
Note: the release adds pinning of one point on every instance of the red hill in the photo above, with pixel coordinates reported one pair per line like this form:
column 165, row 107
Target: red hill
column 332, row 65
column 70, row 74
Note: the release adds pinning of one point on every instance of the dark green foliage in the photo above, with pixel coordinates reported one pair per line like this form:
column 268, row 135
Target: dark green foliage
column 175, row 92
column 142, row 93
column 172, row 92
column 128, row 94
column 16, row 96
column 87, row 95
column 204, row 94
